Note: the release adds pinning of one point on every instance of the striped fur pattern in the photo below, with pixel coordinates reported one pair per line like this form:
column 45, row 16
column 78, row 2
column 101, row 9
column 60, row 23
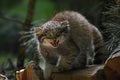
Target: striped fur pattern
column 68, row 41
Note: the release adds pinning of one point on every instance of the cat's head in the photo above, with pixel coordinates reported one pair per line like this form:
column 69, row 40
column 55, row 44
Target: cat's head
column 53, row 33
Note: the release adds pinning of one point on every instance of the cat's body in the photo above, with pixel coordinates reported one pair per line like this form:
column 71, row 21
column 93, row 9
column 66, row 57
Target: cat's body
column 68, row 41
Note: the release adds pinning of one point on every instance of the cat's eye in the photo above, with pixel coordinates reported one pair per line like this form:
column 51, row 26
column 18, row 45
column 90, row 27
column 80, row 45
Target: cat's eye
column 42, row 37
column 65, row 29
column 48, row 35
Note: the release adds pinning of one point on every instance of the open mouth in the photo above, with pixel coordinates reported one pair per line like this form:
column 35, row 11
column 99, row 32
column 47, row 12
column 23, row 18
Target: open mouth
column 55, row 43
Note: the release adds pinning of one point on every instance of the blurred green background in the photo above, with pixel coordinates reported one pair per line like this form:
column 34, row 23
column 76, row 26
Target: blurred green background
column 105, row 14
column 44, row 10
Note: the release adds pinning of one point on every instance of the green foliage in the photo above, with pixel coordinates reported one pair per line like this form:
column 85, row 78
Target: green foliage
column 43, row 10
column 111, row 19
column 113, row 30
column 8, row 68
column 8, row 4
column 112, row 14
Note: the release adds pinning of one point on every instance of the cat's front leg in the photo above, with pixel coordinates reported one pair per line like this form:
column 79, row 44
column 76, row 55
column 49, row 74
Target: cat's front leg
column 48, row 71
column 51, row 62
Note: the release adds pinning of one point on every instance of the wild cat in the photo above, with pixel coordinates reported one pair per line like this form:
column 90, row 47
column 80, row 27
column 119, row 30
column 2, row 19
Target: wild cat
column 68, row 41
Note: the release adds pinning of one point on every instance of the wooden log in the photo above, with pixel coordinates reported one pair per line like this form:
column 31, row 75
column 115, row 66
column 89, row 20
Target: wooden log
column 3, row 77
column 85, row 74
column 112, row 66
column 108, row 71
column 33, row 72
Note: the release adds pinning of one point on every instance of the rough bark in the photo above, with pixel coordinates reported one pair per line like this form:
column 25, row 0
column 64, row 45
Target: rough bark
column 112, row 66
column 108, row 71
column 33, row 73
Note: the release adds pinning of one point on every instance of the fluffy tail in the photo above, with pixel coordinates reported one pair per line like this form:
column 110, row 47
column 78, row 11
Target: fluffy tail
column 100, row 51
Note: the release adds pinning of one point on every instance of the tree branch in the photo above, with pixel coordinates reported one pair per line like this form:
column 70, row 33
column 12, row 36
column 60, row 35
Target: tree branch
column 26, row 26
column 29, row 14
column 4, row 17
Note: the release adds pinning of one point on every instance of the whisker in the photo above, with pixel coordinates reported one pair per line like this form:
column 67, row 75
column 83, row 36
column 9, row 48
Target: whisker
column 32, row 46
column 31, row 43
column 26, row 32
column 30, row 40
column 25, row 43
column 25, row 37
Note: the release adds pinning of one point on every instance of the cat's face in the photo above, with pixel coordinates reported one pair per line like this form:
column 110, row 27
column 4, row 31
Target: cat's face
column 52, row 34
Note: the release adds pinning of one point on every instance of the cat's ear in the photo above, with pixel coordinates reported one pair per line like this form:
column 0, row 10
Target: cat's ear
column 38, row 31
column 65, row 23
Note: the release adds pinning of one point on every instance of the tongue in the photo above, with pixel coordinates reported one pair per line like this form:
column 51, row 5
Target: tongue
column 55, row 43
